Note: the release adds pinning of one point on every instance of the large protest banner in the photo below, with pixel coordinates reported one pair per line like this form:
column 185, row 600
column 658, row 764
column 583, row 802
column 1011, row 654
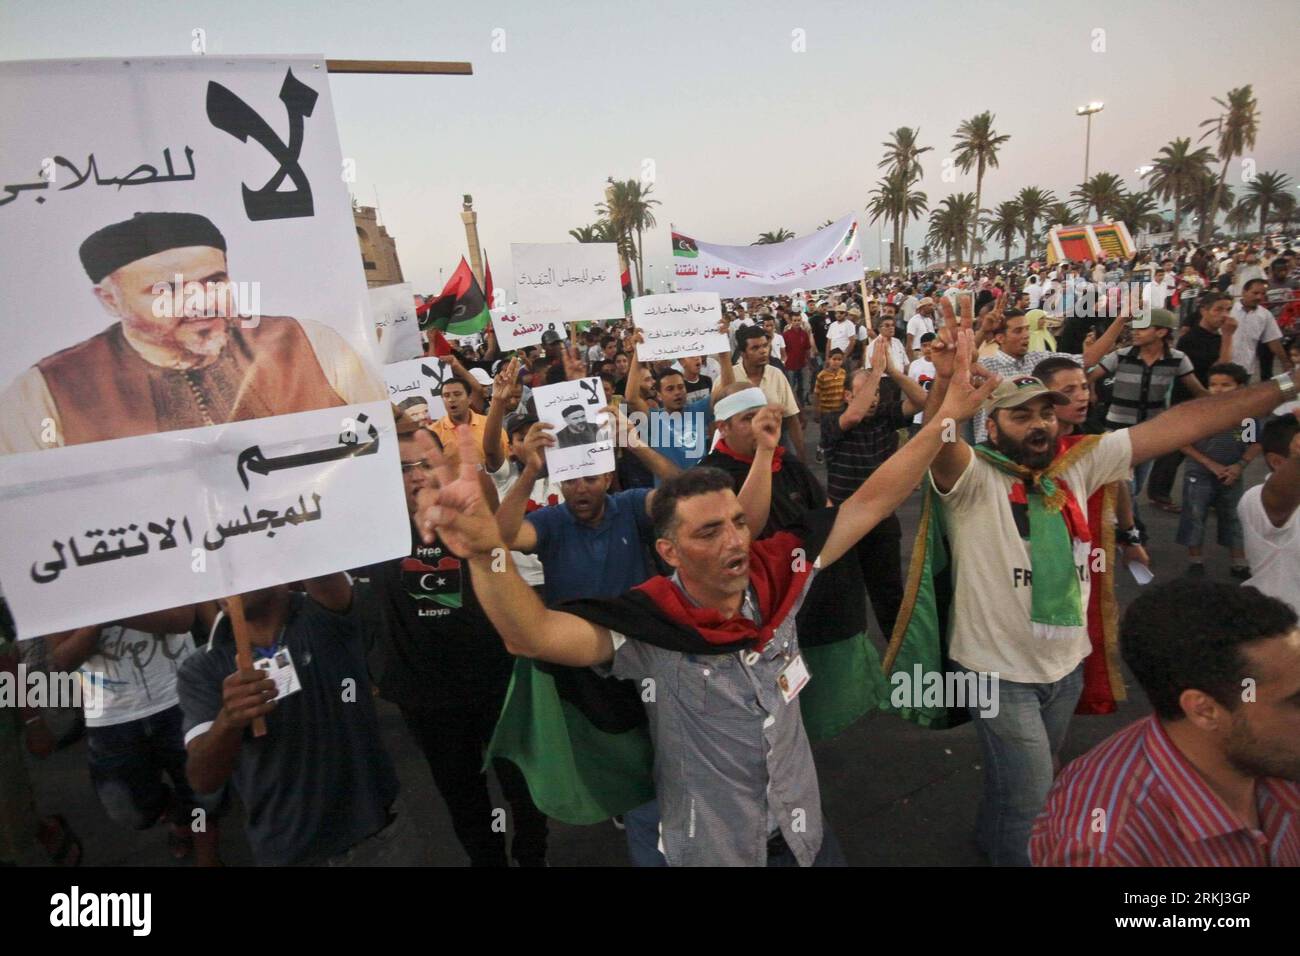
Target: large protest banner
column 829, row 256
column 559, row 282
column 679, row 324
column 191, row 408
column 396, row 326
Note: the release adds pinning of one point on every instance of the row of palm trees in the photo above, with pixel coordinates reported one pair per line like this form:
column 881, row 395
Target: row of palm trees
column 1178, row 175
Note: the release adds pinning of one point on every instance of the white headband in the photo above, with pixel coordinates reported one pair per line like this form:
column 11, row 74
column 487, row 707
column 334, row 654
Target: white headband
column 739, row 402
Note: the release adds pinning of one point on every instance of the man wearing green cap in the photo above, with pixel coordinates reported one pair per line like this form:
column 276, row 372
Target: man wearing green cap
column 1015, row 514
column 160, row 368
column 1144, row 376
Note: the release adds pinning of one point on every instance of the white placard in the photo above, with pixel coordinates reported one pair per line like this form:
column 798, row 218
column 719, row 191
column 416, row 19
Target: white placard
column 396, row 325
column 158, row 450
column 583, row 440
column 679, row 324
column 514, row 331
column 559, row 282
column 413, row 387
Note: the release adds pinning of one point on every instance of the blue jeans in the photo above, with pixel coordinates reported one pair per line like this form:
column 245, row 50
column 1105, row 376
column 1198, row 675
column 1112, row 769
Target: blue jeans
column 1201, row 492
column 642, row 827
column 1140, row 473
column 1019, row 746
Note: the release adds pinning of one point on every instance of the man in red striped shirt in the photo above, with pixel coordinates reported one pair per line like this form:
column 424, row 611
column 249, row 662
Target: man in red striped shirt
column 1212, row 778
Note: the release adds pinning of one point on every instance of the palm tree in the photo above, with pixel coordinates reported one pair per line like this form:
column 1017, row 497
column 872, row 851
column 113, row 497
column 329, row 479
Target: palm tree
column 619, row 211
column 1138, row 211
column 1175, row 173
column 1240, row 218
column 963, row 212
column 1236, row 128
column 1101, row 192
column 1204, row 191
column 1060, row 214
column 1033, row 204
column 977, row 145
column 925, row 255
column 592, row 233
column 828, row 222
column 894, row 201
column 902, row 157
column 771, row 238
column 1267, row 192
column 1003, row 225
column 640, row 205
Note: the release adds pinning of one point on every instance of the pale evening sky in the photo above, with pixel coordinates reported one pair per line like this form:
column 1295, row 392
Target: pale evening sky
column 745, row 133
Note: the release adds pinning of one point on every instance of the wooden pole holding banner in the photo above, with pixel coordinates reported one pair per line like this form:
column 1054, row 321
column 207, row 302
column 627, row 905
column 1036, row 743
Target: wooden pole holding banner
column 235, row 603
column 243, row 648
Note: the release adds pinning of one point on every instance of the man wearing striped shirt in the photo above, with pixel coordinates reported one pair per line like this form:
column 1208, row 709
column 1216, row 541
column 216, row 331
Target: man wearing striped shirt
column 1212, row 778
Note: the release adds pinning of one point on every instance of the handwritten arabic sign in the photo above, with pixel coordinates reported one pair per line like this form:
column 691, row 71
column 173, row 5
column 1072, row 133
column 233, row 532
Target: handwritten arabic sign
column 162, row 443
column 567, row 282
column 583, row 441
column 396, row 326
column 679, row 324
column 514, row 331
column 823, row 258
column 413, row 387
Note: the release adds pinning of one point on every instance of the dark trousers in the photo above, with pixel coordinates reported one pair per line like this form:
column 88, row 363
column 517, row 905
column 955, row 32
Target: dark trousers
column 128, row 763
column 453, row 741
column 1161, row 483
column 880, row 557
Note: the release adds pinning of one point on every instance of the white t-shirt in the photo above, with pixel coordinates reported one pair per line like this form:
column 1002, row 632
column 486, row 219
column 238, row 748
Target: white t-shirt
column 840, row 333
column 1254, row 328
column 922, row 372
column 909, row 307
column 1273, row 553
column 136, row 673
column 777, row 346
column 917, row 326
column 896, row 351
column 991, row 627
column 545, row 492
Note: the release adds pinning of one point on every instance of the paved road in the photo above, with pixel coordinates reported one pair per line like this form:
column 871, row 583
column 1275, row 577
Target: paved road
column 895, row 794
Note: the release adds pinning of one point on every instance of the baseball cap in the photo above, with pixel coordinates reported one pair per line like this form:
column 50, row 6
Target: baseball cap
column 1015, row 391
column 550, row 336
column 481, row 376
column 519, row 420
column 926, row 301
column 1160, row 318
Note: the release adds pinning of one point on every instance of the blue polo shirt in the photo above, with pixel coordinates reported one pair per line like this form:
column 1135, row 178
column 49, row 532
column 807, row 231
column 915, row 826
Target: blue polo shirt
column 682, row 437
column 587, row 562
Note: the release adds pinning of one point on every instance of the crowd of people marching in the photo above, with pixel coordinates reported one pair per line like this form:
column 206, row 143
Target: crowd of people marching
column 1039, row 410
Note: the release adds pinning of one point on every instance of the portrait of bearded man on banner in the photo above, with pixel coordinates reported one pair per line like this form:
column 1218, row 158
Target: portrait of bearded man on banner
column 167, row 363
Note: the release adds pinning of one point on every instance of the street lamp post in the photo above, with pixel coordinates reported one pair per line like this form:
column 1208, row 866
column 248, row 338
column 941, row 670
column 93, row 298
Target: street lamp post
column 1093, row 107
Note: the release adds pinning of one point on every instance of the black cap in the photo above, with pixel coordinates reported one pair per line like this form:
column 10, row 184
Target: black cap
column 518, row 420
column 550, row 337
column 145, row 234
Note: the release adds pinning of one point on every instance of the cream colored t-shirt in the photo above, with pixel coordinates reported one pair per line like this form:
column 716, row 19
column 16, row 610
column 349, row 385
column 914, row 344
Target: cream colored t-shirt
column 991, row 628
column 775, row 386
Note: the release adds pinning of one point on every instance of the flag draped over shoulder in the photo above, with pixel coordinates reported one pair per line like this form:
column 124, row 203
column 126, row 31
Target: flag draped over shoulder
column 919, row 644
column 460, row 309
column 582, row 741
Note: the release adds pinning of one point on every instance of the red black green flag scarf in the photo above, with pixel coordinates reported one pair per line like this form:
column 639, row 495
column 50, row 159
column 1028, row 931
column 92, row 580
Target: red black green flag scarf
column 581, row 740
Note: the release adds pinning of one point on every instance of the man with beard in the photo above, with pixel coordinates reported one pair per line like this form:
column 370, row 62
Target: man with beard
column 156, row 371
column 717, row 641
column 1208, row 779
column 1015, row 516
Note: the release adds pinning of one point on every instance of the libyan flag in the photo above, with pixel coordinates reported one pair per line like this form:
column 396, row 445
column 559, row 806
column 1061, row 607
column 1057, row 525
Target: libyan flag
column 461, row 308
column 582, row 741
column 684, row 246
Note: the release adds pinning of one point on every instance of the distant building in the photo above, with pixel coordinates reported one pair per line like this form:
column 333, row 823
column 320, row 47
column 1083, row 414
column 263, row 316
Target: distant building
column 378, row 249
